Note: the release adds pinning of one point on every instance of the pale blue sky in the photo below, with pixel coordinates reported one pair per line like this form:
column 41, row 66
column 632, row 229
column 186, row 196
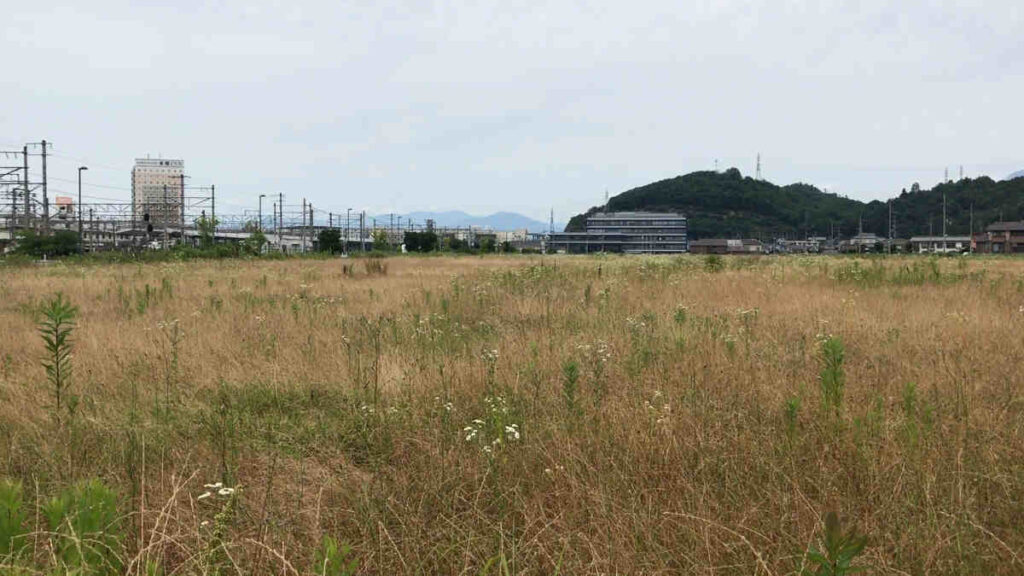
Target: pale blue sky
column 506, row 105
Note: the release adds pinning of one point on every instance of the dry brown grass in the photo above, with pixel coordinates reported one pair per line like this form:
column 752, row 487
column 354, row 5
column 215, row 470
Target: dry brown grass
column 323, row 395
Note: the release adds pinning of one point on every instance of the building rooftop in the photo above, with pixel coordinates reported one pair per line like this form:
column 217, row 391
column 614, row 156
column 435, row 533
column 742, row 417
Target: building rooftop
column 725, row 242
column 638, row 215
column 1006, row 227
column 159, row 162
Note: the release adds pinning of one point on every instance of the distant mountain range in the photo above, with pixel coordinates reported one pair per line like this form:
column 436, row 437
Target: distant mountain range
column 458, row 218
column 1017, row 174
column 729, row 205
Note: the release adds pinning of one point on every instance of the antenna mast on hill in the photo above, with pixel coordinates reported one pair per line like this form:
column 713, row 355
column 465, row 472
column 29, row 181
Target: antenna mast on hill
column 551, row 223
column 946, row 177
column 961, row 171
column 758, row 177
column 605, row 200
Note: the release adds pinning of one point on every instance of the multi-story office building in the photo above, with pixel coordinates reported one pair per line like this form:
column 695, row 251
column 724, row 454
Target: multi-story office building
column 158, row 190
column 626, row 232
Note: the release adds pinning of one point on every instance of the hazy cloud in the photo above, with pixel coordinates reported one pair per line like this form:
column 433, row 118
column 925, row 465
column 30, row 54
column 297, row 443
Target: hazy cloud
column 516, row 105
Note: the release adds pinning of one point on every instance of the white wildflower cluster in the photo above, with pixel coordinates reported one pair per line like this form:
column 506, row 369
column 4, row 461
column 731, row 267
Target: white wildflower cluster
column 167, row 325
column 447, row 406
column 823, row 333
column 852, row 298
column 496, row 404
column 473, row 430
column 557, row 468
column 492, row 432
column 424, row 326
column 599, row 351
column 659, row 408
column 635, row 323
column 218, row 489
column 489, row 355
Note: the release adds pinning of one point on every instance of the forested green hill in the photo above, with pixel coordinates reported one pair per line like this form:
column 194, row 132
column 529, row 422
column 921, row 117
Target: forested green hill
column 726, row 204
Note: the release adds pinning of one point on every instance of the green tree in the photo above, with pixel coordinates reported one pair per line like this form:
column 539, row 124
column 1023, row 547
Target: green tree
column 206, row 227
column 329, row 240
column 420, row 241
column 380, row 240
column 59, row 243
column 254, row 244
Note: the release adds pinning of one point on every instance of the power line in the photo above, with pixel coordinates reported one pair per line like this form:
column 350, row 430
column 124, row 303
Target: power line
column 89, row 184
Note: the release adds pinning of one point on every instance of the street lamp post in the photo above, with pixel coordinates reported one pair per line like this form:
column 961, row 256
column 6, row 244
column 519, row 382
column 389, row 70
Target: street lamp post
column 348, row 213
column 80, row 169
column 259, row 225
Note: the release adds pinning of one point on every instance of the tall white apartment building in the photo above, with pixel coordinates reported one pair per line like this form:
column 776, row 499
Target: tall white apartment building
column 157, row 190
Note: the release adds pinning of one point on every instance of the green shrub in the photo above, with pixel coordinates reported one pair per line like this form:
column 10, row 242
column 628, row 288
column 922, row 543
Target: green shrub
column 840, row 550
column 333, row 559
column 56, row 326
column 713, row 263
column 832, row 376
column 85, row 529
column 12, row 520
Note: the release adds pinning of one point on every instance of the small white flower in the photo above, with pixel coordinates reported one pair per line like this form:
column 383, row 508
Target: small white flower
column 204, row 495
column 218, row 485
column 226, row 491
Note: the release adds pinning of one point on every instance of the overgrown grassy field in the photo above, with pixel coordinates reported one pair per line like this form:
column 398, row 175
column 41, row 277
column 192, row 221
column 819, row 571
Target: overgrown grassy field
column 522, row 415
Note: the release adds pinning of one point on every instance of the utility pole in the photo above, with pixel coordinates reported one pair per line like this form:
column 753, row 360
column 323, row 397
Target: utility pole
column 348, row 215
column 943, row 222
column 330, row 219
column 79, row 209
column 166, row 218
column 890, row 226
column 970, row 245
column 311, row 226
column 24, row 157
column 362, row 231
column 46, row 199
column 280, row 221
column 259, row 225
column 181, row 209
column 92, row 230
column 213, row 211
column 302, row 233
